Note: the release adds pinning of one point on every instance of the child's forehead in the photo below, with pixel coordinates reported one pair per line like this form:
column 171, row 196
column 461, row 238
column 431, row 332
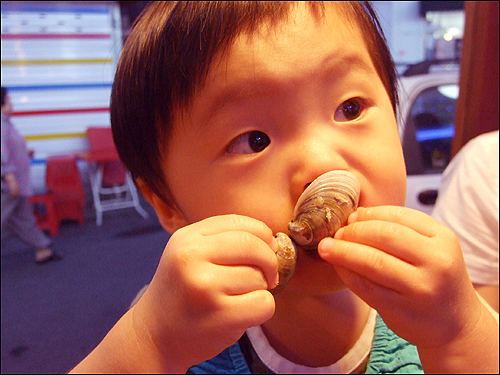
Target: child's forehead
column 274, row 58
column 293, row 27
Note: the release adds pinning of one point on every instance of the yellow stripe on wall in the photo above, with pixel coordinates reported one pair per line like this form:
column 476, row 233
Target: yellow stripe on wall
column 56, row 62
column 53, row 136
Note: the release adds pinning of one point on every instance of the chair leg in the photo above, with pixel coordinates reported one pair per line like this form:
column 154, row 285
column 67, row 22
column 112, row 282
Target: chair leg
column 95, row 183
column 130, row 199
column 51, row 213
column 135, row 198
column 49, row 221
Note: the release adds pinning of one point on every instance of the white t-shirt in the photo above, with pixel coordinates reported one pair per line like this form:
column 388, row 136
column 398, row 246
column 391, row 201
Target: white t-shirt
column 468, row 204
column 356, row 356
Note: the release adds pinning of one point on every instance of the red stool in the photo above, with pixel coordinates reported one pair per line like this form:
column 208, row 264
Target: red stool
column 46, row 219
column 64, row 182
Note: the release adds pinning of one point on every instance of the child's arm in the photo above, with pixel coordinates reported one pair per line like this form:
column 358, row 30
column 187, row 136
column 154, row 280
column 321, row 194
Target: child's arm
column 410, row 268
column 210, row 286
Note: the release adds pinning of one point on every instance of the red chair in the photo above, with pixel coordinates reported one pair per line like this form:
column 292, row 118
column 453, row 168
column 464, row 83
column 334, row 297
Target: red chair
column 113, row 174
column 112, row 186
column 64, row 182
column 46, row 217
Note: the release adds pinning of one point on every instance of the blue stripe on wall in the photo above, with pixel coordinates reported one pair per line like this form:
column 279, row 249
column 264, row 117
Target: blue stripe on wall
column 61, row 87
column 59, row 7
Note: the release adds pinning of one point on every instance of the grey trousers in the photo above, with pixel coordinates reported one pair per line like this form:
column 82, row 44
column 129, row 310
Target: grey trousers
column 18, row 218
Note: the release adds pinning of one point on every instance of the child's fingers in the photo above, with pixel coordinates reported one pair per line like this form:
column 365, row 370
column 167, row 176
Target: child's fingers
column 243, row 248
column 208, row 279
column 416, row 220
column 370, row 263
column 240, row 280
column 249, row 309
column 395, row 239
column 230, row 240
column 238, row 247
column 229, row 223
column 372, row 293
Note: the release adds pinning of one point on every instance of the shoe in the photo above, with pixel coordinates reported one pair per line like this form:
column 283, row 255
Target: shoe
column 53, row 256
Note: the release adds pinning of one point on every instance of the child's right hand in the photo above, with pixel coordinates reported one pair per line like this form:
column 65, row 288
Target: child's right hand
column 210, row 286
column 410, row 268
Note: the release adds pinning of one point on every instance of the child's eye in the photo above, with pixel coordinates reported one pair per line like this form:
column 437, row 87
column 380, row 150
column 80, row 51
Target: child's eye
column 349, row 110
column 248, row 143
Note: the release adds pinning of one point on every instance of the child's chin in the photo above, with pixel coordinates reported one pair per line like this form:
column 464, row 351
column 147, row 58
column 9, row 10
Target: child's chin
column 314, row 276
column 311, row 254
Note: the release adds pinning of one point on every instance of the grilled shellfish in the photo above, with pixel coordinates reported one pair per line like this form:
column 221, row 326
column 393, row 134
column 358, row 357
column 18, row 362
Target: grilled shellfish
column 321, row 210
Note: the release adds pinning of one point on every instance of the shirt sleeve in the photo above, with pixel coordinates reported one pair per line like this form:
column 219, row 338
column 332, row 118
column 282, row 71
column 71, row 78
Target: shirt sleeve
column 7, row 166
column 468, row 204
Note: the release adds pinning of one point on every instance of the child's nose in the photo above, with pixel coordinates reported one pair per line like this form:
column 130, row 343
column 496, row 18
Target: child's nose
column 315, row 157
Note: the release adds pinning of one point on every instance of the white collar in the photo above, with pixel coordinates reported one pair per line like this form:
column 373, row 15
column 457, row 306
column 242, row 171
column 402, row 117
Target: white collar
column 345, row 365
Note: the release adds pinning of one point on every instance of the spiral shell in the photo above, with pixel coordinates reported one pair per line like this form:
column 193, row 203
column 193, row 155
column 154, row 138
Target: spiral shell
column 323, row 208
column 287, row 260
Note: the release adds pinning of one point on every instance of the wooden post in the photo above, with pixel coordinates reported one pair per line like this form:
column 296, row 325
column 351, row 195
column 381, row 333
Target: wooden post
column 477, row 105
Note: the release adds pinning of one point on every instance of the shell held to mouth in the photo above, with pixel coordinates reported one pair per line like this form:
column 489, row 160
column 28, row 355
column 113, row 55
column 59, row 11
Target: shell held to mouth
column 323, row 208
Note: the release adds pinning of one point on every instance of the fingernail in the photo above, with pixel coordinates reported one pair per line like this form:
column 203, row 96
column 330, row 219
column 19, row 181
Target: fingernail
column 352, row 217
column 274, row 245
column 324, row 245
column 339, row 234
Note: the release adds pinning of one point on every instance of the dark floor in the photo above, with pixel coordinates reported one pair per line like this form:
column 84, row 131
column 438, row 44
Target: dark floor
column 54, row 314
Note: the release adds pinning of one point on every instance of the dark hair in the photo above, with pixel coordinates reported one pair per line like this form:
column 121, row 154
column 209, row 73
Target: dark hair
column 167, row 57
column 4, row 94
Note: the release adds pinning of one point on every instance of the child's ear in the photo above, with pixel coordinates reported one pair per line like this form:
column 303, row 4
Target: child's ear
column 170, row 218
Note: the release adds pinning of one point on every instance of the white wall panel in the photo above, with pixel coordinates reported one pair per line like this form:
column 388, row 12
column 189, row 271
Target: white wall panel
column 60, row 74
column 71, row 98
column 57, row 17
column 63, row 146
column 32, row 49
column 58, row 63
column 59, row 124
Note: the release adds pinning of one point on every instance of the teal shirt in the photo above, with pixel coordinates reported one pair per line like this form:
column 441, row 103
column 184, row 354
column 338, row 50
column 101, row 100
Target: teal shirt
column 390, row 355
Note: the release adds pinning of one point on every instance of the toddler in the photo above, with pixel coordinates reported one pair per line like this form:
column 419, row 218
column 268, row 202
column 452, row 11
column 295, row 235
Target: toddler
column 224, row 112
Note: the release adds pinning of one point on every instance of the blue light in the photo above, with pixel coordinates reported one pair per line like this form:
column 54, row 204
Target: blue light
column 440, row 133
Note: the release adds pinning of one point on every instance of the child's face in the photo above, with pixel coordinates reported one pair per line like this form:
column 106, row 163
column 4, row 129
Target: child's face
column 282, row 107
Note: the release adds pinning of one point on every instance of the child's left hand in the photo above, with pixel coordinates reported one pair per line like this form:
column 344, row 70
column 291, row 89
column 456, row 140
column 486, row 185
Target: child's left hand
column 410, row 268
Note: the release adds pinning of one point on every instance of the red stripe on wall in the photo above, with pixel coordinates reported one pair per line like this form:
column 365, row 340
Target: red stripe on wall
column 56, row 36
column 60, row 111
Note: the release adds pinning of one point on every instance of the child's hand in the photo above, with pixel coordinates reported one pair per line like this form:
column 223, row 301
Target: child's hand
column 210, row 286
column 410, row 268
column 12, row 184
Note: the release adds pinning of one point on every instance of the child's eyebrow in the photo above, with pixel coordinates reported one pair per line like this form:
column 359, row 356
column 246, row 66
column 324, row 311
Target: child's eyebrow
column 333, row 66
column 240, row 91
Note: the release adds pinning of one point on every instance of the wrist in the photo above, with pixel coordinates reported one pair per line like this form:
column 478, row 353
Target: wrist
column 474, row 351
column 153, row 358
column 123, row 350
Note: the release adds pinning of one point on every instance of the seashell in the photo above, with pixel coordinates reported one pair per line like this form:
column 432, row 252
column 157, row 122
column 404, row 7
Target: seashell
column 287, row 260
column 320, row 211
column 323, row 208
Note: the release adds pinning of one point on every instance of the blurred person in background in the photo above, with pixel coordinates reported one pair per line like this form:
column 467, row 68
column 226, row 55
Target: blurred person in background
column 468, row 204
column 17, row 212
